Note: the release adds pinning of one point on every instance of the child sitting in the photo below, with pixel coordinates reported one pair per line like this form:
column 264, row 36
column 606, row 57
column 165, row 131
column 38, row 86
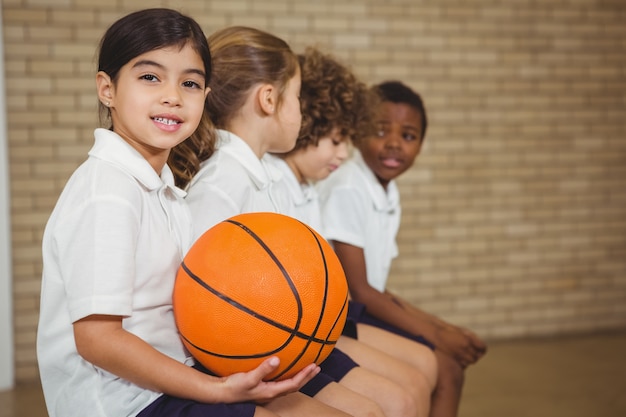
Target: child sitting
column 361, row 216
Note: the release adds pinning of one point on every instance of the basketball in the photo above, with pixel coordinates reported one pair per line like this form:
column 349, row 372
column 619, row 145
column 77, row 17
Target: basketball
column 259, row 285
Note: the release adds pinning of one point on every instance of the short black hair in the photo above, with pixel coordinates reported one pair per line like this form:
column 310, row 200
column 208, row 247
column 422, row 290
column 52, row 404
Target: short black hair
column 399, row 93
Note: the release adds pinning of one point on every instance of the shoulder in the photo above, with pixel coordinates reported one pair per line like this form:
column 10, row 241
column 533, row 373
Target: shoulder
column 97, row 190
column 220, row 171
column 347, row 176
column 98, row 180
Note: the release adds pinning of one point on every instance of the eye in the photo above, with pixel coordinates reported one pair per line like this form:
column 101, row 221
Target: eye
column 381, row 131
column 192, row 84
column 149, row 77
column 409, row 137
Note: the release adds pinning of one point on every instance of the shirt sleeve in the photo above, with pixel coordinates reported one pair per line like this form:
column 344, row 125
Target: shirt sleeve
column 96, row 248
column 344, row 215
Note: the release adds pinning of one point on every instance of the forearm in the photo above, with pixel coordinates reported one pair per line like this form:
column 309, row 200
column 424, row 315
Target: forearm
column 397, row 312
column 416, row 312
column 129, row 357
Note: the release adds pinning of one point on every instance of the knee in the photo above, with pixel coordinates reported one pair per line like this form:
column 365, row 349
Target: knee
column 404, row 402
column 371, row 408
column 430, row 368
column 450, row 372
column 418, row 383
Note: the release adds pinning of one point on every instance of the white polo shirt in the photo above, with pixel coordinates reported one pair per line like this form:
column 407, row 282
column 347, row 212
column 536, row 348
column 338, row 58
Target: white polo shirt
column 358, row 211
column 112, row 246
column 302, row 202
column 232, row 181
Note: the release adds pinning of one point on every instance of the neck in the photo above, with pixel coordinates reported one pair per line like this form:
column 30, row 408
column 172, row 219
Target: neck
column 290, row 160
column 249, row 134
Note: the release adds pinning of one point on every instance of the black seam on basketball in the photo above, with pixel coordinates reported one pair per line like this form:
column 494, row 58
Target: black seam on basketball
column 292, row 332
column 221, row 355
column 321, row 315
column 282, row 269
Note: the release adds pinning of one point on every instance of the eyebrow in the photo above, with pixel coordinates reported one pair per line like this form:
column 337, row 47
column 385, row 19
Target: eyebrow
column 147, row 62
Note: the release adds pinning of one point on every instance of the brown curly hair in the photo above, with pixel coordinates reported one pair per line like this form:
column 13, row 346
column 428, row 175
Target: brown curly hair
column 332, row 97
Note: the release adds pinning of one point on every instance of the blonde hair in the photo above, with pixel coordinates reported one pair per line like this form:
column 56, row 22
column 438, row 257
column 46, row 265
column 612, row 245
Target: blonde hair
column 242, row 58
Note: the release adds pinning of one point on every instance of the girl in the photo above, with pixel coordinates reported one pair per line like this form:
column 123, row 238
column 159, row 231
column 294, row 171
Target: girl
column 107, row 343
column 254, row 104
column 336, row 111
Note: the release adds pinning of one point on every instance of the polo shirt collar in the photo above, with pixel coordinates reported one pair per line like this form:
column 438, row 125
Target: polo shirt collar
column 384, row 200
column 261, row 173
column 300, row 193
column 110, row 147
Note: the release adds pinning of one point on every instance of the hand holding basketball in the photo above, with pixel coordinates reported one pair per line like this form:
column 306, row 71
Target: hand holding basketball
column 250, row 386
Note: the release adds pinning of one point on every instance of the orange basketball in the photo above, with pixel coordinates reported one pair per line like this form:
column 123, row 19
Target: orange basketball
column 259, row 285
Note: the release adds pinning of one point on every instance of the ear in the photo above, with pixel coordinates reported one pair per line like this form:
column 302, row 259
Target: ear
column 105, row 88
column 267, row 98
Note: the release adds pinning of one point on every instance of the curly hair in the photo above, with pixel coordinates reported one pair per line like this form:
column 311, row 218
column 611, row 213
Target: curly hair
column 331, row 97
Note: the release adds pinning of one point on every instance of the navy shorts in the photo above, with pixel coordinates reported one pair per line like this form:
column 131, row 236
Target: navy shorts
column 333, row 369
column 349, row 329
column 168, row 406
column 357, row 312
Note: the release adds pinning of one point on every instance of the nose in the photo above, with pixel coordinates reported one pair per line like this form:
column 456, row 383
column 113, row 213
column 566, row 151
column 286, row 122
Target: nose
column 393, row 139
column 171, row 95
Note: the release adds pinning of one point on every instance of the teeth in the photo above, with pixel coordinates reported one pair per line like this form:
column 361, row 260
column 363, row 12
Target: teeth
column 165, row 121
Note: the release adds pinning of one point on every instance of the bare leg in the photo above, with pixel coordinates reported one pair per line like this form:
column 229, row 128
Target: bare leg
column 401, row 348
column 445, row 372
column 341, row 397
column 447, row 396
column 400, row 389
column 297, row 405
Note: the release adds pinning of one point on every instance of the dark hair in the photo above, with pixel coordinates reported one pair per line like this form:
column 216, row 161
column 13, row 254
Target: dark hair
column 331, row 97
column 144, row 31
column 399, row 93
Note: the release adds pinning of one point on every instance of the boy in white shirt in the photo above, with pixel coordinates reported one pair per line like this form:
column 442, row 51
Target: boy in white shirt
column 361, row 215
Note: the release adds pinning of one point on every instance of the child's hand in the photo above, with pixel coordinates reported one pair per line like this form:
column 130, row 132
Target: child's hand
column 477, row 342
column 457, row 344
column 249, row 386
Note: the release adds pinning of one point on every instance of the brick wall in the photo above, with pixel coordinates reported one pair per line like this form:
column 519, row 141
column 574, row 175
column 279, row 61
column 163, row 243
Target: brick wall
column 514, row 219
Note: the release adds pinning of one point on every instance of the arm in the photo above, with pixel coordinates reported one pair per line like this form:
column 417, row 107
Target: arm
column 449, row 332
column 400, row 313
column 103, row 341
